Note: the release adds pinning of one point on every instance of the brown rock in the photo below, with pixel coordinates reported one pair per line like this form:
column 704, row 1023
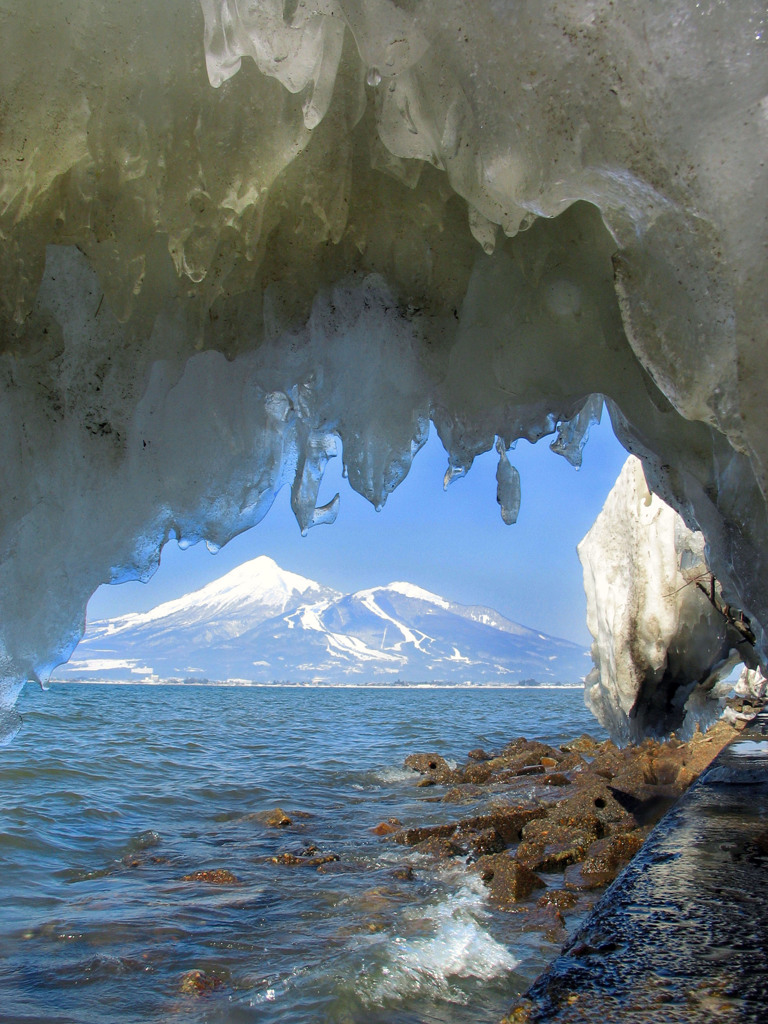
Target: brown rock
column 607, row 746
column 581, row 745
column 607, row 763
column 560, row 898
column 522, row 1013
column 439, row 848
column 577, row 881
column 546, row 918
column 403, row 874
column 589, row 796
column 479, row 843
column 213, row 876
column 426, row 763
column 477, row 774
column 528, row 754
column 548, row 762
column 638, row 770
column 699, row 754
column 610, row 854
column 556, row 779
column 509, row 822
column 668, row 765
column 197, row 983
column 386, row 828
column 463, row 795
column 571, row 761
column 508, row 880
column 559, row 824
column 478, row 754
column 552, row 843
column 307, row 861
column 276, row 818
column 412, row 836
column 567, row 848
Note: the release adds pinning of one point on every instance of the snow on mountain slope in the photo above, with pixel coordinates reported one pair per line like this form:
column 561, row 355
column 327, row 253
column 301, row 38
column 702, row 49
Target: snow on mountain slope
column 263, row 624
column 254, row 591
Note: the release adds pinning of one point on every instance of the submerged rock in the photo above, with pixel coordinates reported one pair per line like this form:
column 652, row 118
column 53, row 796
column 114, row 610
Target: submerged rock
column 276, row 818
column 387, row 828
column 213, row 876
column 560, row 898
column 546, row 918
column 198, row 983
column 310, row 860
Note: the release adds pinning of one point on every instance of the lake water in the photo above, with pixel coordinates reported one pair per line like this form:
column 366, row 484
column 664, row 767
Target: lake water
column 112, row 794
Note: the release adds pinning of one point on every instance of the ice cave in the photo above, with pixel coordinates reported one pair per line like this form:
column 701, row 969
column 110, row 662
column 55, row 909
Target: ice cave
column 241, row 238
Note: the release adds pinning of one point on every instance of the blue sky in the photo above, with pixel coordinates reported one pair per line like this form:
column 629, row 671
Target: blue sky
column 452, row 542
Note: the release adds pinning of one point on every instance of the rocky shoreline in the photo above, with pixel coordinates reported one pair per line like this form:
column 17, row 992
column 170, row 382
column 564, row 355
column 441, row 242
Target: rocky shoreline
column 552, row 827
column 545, row 829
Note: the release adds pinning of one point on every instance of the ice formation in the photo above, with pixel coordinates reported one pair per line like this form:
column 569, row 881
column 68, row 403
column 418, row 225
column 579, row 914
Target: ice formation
column 661, row 638
column 237, row 238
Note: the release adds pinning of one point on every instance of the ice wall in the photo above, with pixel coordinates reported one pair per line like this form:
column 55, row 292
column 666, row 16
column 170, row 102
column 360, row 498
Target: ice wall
column 660, row 643
column 237, row 237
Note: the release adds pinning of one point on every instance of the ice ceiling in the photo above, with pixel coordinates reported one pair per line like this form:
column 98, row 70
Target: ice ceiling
column 238, row 237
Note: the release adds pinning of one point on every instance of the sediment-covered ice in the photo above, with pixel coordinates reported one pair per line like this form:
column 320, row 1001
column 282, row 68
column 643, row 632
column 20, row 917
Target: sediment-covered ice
column 661, row 637
column 238, row 239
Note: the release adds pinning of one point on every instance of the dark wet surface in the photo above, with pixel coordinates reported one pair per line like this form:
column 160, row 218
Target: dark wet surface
column 682, row 935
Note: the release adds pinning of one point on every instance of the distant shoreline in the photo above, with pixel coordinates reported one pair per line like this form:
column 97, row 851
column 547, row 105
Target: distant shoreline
column 231, row 684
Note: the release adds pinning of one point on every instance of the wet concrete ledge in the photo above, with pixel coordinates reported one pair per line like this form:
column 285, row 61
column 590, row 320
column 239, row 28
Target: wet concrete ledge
column 682, row 934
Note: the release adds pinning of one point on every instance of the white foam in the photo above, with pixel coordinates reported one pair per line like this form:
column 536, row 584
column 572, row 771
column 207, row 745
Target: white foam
column 458, row 948
column 394, row 774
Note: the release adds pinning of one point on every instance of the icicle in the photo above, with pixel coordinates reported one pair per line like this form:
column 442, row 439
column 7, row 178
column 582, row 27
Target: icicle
column 314, row 454
column 326, row 514
column 483, row 230
column 507, row 486
column 573, row 434
column 453, row 473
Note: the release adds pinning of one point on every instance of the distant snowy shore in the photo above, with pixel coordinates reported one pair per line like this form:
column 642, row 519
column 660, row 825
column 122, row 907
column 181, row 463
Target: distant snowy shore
column 529, row 685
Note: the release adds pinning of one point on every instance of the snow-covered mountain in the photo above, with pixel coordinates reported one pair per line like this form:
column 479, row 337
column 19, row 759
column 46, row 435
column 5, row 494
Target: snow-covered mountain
column 263, row 624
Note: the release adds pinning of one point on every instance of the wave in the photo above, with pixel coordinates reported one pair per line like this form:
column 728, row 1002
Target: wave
column 454, row 947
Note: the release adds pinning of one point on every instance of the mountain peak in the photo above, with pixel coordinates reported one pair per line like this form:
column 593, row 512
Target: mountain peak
column 415, row 593
column 260, row 573
column 259, row 583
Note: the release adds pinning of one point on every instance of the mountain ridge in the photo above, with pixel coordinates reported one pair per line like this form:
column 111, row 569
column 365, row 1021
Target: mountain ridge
column 258, row 623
